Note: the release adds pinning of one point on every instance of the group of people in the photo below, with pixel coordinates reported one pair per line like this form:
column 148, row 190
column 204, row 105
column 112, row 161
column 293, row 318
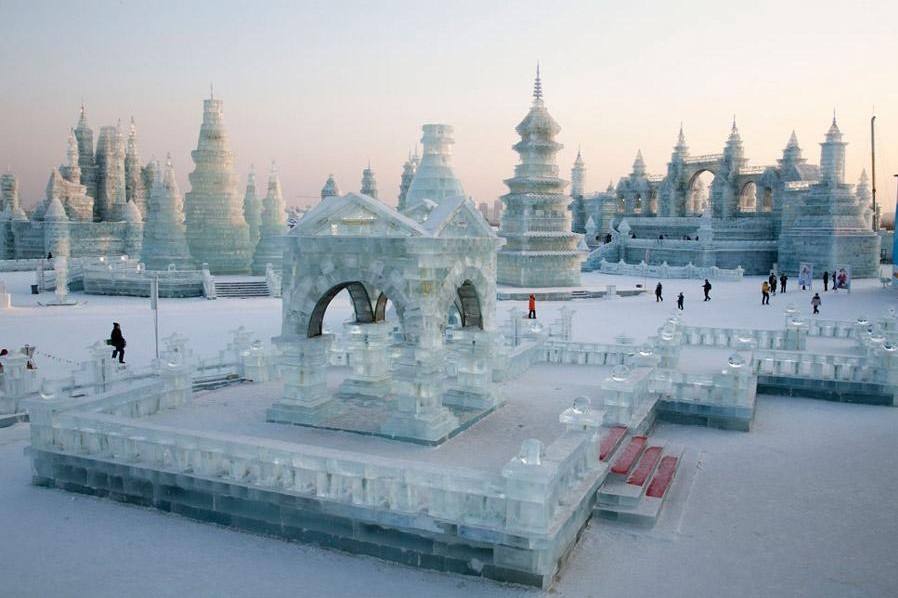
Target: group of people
column 681, row 298
column 768, row 287
column 839, row 280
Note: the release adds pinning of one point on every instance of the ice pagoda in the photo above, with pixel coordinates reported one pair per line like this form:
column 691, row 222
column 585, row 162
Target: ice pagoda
column 541, row 250
column 217, row 232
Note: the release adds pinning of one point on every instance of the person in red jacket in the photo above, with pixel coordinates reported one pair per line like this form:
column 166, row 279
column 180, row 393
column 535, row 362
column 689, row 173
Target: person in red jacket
column 531, row 305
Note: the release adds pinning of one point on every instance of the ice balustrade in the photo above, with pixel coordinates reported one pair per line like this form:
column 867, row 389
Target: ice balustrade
column 525, row 497
column 665, row 271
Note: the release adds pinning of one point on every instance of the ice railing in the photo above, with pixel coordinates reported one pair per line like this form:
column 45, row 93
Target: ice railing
column 666, row 271
column 800, row 364
column 25, row 265
column 602, row 253
column 527, row 496
column 244, row 358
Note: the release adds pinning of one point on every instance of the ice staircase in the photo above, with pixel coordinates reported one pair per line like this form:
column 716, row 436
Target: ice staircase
column 639, row 480
column 242, row 289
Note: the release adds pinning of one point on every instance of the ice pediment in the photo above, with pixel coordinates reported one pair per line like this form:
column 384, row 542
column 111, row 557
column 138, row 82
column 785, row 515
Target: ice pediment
column 457, row 217
column 356, row 215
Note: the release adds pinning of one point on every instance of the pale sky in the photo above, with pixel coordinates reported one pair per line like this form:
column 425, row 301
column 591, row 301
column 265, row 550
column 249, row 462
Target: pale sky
column 323, row 87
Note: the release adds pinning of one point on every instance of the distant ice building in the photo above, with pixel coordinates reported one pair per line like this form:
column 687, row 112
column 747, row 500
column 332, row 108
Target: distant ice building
column 752, row 217
column 89, row 196
column 540, row 249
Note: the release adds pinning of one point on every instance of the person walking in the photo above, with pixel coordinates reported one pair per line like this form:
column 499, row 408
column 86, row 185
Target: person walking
column 658, row 297
column 707, row 289
column 825, row 281
column 531, row 306
column 765, row 293
column 815, row 303
column 680, row 299
column 771, row 281
column 834, row 281
column 783, row 280
column 117, row 340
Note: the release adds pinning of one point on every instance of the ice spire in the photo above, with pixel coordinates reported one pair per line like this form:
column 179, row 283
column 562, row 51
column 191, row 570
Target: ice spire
column 681, row 150
column 639, row 164
column 537, row 87
column 330, row 188
column 408, row 173
column 832, row 156
column 369, row 184
column 578, row 177
column 252, row 207
column 792, row 151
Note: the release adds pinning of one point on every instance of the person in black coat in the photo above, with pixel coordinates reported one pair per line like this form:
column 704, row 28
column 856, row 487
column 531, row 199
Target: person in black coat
column 783, row 280
column 825, row 281
column 658, row 297
column 707, row 289
column 117, row 340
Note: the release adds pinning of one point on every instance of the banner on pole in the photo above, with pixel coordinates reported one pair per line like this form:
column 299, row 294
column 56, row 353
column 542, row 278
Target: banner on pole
column 843, row 278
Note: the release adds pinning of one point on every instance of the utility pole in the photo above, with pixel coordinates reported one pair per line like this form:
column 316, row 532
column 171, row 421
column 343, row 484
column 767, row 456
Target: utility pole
column 873, row 168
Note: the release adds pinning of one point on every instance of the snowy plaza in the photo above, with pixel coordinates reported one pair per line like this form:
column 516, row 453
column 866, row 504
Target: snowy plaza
column 733, row 494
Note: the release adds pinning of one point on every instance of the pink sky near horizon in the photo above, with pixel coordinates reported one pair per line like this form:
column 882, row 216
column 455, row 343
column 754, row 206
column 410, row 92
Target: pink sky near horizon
column 324, row 87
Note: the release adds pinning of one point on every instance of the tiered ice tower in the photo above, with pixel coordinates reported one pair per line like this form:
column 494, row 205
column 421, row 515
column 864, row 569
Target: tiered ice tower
column 164, row 236
column 540, row 249
column 434, row 179
column 217, row 232
column 270, row 249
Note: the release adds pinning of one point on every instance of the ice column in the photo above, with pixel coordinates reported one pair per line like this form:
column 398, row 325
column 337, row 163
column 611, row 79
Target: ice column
column 304, row 362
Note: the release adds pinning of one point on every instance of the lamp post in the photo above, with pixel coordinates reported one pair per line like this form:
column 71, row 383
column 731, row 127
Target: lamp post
column 873, row 168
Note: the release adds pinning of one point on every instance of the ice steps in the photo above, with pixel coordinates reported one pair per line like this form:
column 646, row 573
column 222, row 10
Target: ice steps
column 636, row 491
column 242, row 289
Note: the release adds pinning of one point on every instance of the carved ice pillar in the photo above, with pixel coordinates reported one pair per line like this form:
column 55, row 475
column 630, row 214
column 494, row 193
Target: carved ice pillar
column 177, row 379
column 418, row 377
column 368, row 346
column 473, row 387
column 304, row 362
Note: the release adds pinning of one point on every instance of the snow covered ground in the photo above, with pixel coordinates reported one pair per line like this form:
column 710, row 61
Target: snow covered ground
column 804, row 505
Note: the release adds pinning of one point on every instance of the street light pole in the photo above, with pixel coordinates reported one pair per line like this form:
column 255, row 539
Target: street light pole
column 873, row 167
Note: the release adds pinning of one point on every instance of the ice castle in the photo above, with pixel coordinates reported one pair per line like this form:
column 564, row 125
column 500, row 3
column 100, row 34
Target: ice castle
column 754, row 216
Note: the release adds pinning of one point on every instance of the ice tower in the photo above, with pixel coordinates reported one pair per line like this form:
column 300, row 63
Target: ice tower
column 217, row 232
column 164, row 235
column 270, row 249
column 540, row 249
column 434, row 179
